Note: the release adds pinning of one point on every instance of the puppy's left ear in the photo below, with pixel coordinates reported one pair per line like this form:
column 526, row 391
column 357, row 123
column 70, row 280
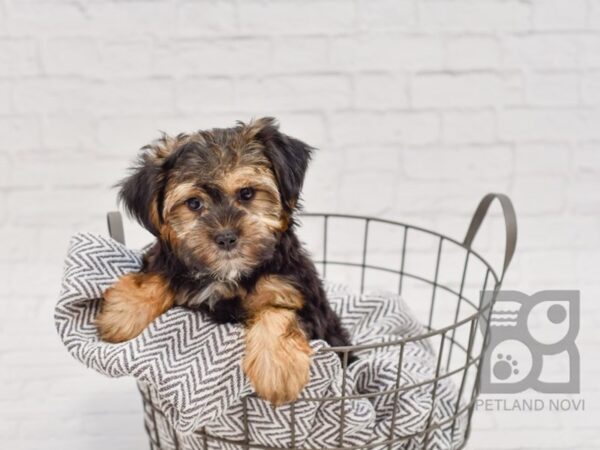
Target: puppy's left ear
column 289, row 158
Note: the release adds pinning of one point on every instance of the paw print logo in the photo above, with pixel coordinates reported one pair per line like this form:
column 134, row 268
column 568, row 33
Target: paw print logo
column 530, row 336
column 505, row 367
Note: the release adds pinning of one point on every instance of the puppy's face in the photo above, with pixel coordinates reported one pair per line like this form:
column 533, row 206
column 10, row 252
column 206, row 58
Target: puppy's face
column 221, row 198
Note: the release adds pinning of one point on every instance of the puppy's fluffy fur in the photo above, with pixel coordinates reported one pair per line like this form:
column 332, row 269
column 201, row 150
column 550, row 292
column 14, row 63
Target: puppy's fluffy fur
column 221, row 205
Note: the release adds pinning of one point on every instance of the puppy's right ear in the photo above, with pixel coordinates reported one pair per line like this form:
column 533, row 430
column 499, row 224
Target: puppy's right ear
column 289, row 158
column 140, row 191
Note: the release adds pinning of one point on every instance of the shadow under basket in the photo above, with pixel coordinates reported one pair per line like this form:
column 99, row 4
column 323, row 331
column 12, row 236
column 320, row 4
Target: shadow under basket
column 448, row 286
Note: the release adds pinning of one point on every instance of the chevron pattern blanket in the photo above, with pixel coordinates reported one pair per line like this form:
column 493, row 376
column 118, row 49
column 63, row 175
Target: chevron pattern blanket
column 192, row 368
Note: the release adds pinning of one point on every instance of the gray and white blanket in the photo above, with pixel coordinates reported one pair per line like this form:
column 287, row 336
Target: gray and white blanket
column 193, row 367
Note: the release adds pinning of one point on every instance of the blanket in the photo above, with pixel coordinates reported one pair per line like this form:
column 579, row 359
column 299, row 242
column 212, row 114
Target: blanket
column 192, row 367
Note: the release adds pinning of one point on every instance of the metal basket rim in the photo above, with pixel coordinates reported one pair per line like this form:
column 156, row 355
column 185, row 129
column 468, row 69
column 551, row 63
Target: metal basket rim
column 407, row 226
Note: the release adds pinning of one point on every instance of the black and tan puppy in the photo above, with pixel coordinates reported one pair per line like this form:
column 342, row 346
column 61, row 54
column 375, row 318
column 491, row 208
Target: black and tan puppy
column 221, row 205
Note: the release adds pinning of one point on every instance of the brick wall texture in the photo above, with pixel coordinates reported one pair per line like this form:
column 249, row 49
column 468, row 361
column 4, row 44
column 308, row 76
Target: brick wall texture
column 418, row 108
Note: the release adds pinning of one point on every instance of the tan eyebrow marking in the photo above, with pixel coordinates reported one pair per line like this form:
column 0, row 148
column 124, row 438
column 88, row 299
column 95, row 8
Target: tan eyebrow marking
column 259, row 177
column 178, row 194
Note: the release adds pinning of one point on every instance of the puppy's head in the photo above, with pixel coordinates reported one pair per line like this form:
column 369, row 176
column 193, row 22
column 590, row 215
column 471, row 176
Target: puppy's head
column 219, row 199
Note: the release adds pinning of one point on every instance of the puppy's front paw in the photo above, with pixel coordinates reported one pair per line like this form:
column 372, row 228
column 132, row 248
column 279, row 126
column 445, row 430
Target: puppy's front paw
column 131, row 305
column 277, row 360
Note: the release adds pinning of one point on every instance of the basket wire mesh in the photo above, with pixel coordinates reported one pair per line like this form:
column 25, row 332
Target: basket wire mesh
column 382, row 259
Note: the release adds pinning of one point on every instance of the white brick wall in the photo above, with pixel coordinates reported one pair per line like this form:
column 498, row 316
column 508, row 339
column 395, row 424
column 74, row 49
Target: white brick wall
column 419, row 107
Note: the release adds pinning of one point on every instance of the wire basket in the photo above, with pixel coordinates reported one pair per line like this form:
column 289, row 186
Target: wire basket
column 448, row 286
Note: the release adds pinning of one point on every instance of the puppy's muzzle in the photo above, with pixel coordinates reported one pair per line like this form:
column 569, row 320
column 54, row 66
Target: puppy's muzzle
column 226, row 240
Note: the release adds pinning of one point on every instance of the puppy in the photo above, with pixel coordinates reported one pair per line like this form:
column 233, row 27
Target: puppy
column 221, row 204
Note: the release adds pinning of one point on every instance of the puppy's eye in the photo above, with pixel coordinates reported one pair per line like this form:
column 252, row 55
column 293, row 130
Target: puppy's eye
column 246, row 194
column 195, row 204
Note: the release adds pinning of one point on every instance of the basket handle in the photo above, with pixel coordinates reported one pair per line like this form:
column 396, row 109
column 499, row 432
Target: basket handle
column 510, row 220
column 115, row 226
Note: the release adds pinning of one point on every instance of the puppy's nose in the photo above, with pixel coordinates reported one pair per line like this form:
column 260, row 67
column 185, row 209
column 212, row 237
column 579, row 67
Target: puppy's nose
column 226, row 240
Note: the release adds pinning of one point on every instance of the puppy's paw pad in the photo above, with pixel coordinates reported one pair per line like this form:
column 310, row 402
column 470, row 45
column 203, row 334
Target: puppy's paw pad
column 131, row 304
column 115, row 320
column 279, row 377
